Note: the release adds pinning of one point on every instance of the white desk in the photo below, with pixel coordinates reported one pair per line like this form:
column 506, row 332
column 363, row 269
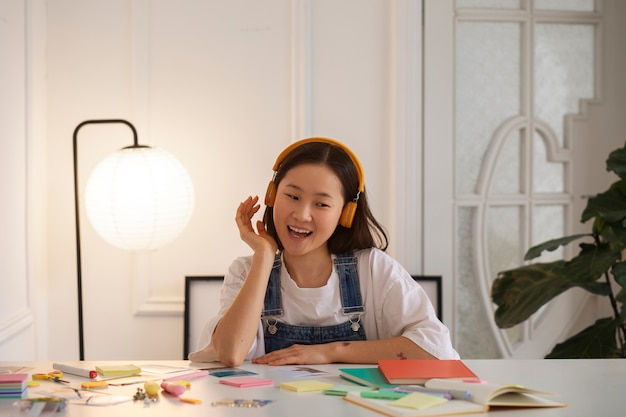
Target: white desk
column 589, row 387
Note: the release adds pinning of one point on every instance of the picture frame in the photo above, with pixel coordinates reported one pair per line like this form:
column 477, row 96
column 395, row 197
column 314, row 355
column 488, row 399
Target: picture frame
column 433, row 286
column 202, row 302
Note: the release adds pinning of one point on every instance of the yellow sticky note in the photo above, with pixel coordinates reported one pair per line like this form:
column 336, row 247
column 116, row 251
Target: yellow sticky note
column 419, row 401
column 306, row 385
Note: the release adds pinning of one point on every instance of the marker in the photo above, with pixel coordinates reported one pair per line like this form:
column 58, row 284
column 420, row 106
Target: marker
column 73, row 370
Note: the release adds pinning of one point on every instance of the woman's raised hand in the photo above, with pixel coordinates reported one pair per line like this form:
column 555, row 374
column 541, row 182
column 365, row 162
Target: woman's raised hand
column 258, row 239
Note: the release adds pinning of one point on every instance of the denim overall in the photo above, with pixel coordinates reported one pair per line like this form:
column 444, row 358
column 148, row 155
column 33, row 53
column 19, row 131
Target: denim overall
column 281, row 335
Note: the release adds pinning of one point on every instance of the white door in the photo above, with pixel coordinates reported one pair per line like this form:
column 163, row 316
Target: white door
column 515, row 92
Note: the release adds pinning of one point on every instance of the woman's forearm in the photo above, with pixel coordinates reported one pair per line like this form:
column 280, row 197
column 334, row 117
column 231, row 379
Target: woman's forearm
column 237, row 329
column 371, row 351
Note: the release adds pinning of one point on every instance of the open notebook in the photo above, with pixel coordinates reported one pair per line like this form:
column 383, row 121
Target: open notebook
column 482, row 398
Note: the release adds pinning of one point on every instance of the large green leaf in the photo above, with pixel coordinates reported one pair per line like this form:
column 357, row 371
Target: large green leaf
column 551, row 245
column 619, row 273
column 596, row 341
column 592, row 262
column 609, row 205
column 617, row 162
column 611, row 233
column 520, row 292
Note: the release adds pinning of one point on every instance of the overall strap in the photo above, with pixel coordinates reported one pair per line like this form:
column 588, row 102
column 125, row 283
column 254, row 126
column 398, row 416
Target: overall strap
column 351, row 300
column 272, row 306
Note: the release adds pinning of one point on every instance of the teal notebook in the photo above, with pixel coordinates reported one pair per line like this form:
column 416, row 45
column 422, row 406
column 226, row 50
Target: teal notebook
column 370, row 377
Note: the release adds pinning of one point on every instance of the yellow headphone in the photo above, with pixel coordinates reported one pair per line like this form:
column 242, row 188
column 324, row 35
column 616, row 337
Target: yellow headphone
column 347, row 214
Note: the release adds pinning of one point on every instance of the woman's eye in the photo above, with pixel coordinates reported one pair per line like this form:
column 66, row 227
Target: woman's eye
column 292, row 197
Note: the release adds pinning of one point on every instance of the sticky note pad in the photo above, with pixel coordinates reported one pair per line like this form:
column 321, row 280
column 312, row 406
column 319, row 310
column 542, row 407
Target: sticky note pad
column 246, row 381
column 419, row 401
column 118, row 370
column 306, row 385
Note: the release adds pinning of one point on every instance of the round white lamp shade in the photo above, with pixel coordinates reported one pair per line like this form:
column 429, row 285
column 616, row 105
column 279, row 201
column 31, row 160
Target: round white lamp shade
column 139, row 198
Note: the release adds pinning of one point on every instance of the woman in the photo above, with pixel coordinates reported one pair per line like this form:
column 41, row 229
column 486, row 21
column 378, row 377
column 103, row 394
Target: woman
column 319, row 287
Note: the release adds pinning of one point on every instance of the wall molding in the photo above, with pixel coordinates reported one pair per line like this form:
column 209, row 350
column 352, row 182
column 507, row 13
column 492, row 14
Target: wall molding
column 160, row 306
column 16, row 324
column 405, row 130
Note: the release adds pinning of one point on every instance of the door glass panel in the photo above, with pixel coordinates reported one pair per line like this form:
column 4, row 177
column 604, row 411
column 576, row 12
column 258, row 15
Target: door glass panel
column 564, row 72
column 503, row 238
column 506, row 177
column 577, row 5
column 548, row 177
column 474, row 337
column 489, row 4
column 548, row 223
column 488, row 62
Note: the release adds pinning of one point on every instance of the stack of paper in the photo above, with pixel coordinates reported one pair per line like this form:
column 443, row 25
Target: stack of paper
column 13, row 385
column 118, row 370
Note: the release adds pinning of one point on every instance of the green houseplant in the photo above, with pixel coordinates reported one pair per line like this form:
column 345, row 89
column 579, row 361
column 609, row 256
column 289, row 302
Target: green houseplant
column 598, row 268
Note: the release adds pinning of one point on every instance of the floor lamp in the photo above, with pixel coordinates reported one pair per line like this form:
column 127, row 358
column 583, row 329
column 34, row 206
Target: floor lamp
column 139, row 198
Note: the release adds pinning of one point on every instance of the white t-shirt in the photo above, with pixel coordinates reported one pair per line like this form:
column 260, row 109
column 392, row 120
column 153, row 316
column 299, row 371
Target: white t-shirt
column 395, row 305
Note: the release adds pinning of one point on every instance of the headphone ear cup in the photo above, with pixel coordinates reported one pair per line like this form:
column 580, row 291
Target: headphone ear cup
column 270, row 194
column 347, row 214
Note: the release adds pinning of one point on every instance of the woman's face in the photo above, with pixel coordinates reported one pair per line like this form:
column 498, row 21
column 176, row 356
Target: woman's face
column 308, row 205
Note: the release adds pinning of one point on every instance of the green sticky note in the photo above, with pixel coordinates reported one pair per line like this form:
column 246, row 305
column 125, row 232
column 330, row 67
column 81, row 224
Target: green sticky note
column 419, row 401
column 342, row 390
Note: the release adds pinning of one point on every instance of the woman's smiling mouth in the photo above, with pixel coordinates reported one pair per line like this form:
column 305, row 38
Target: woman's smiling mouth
column 299, row 232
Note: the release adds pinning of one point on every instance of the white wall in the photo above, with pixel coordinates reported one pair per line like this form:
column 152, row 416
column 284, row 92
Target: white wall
column 16, row 315
column 22, row 211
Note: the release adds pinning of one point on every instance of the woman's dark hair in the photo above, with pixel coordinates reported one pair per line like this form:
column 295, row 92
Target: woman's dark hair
column 365, row 232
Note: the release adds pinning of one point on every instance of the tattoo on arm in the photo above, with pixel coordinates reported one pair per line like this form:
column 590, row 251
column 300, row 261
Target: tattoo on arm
column 346, row 344
column 401, row 356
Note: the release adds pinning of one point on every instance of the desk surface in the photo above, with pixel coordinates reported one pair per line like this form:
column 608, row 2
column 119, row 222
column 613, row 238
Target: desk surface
column 589, row 387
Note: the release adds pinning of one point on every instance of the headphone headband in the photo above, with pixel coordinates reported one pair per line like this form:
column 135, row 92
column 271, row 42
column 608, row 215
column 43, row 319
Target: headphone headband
column 349, row 210
column 348, row 151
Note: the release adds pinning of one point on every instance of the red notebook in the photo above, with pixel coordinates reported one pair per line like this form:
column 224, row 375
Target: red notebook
column 418, row 371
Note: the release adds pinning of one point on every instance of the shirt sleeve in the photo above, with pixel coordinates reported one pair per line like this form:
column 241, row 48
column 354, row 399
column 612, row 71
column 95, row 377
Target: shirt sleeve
column 402, row 307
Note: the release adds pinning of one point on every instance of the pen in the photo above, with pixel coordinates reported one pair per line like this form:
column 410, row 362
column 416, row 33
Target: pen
column 76, row 390
column 73, row 370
